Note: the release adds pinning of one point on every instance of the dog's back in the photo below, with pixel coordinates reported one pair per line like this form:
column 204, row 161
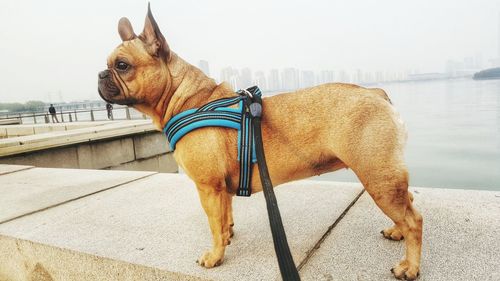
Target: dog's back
column 380, row 93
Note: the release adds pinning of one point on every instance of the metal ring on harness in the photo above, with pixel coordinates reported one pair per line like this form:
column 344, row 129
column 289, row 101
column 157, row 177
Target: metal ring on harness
column 246, row 92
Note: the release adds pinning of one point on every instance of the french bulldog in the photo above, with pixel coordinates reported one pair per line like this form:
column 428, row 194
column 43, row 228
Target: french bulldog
column 307, row 132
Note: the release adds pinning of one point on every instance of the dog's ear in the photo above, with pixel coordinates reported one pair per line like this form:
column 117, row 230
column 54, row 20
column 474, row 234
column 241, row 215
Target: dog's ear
column 125, row 29
column 152, row 37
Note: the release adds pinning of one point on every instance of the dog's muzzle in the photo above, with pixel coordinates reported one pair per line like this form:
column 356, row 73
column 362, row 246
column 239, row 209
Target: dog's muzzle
column 107, row 87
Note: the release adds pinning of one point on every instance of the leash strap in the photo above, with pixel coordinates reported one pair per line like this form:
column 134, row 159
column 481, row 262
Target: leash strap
column 246, row 147
column 247, row 120
column 245, row 139
column 285, row 259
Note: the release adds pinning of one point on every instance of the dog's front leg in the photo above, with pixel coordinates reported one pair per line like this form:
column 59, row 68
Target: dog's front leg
column 216, row 202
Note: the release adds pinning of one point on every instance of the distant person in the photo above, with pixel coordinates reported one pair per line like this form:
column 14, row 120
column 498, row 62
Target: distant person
column 52, row 111
column 109, row 108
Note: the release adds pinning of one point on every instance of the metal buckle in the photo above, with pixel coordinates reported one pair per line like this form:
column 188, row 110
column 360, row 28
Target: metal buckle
column 245, row 91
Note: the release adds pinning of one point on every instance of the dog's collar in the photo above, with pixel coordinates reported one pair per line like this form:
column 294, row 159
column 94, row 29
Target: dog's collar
column 214, row 114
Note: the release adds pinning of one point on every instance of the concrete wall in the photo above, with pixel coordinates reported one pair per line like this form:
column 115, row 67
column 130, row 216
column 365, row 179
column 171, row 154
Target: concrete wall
column 147, row 151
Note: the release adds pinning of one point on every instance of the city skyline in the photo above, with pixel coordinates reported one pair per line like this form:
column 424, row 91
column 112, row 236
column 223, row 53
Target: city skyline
column 291, row 78
column 59, row 51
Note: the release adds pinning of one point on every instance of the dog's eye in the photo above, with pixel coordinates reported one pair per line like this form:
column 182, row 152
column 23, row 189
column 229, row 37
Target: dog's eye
column 121, row 65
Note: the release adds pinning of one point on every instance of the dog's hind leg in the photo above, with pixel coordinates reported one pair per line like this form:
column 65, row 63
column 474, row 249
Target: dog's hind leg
column 230, row 216
column 373, row 149
column 393, row 233
column 215, row 202
column 388, row 186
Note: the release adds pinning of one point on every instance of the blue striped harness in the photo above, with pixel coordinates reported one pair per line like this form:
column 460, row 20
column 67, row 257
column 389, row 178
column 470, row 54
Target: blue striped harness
column 218, row 114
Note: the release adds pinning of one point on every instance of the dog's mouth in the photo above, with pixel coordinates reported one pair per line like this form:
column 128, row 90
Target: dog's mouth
column 110, row 91
column 103, row 96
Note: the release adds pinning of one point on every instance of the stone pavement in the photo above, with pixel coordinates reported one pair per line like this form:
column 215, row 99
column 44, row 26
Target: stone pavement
column 63, row 224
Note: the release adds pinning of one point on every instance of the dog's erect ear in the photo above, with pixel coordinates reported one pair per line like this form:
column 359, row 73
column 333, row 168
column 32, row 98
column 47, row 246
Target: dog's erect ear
column 151, row 35
column 125, row 30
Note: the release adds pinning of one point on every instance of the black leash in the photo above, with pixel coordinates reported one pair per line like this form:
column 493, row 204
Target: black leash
column 247, row 119
column 285, row 259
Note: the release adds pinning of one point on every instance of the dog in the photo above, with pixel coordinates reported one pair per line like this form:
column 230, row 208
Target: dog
column 307, row 132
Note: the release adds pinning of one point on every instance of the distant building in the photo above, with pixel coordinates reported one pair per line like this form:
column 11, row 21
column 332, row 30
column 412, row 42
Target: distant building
column 307, row 79
column 273, row 81
column 368, row 78
column 290, row 79
column 426, row 76
column 344, row 77
column 326, row 76
column 245, row 80
column 231, row 76
column 469, row 63
column 358, row 78
column 203, row 65
column 478, row 60
column 465, row 68
column 379, row 76
column 260, row 80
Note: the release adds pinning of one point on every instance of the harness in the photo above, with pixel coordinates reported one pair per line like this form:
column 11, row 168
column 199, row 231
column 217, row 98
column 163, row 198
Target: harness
column 218, row 113
column 246, row 118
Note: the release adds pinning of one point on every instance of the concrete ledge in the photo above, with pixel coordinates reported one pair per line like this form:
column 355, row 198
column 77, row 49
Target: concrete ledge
column 3, row 132
column 32, row 129
column 20, row 130
column 17, row 145
column 47, row 263
column 11, row 121
column 125, row 145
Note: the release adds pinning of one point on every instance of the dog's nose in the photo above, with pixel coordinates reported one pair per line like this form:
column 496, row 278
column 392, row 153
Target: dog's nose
column 104, row 74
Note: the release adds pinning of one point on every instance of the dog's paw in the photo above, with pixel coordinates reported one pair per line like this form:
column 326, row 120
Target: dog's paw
column 392, row 233
column 231, row 231
column 228, row 235
column 209, row 260
column 405, row 271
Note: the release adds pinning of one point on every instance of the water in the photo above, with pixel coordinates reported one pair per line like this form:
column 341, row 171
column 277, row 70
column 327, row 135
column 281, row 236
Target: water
column 453, row 133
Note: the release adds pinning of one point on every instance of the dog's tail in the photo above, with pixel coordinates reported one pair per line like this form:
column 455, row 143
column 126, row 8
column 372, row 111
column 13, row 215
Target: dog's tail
column 381, row 93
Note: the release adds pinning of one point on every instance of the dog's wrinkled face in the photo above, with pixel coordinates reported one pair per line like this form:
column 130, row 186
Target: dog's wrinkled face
column 137, row 70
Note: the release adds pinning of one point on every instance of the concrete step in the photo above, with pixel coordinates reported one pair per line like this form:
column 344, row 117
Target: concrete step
column 147, row 226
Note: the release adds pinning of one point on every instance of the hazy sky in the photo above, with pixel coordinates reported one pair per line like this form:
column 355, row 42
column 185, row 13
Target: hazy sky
column 49, row 47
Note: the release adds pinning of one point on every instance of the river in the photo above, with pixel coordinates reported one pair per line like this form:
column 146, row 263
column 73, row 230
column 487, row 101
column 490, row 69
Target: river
column 453, row 133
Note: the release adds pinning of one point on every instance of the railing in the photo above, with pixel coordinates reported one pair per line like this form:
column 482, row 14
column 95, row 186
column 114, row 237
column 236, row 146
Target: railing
column 94, row 114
